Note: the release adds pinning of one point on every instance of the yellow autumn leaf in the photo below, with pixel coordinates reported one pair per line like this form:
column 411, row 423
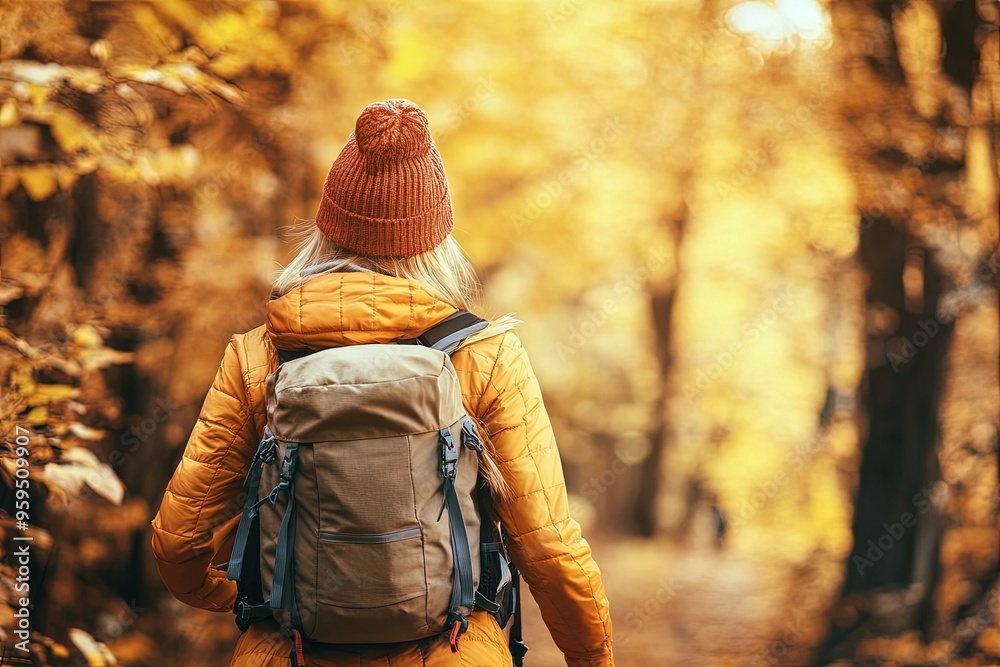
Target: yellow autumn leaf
column 38, row 181
column 59, row 651
column 101, row 50
column 230, row 93
column 86, row 164
column 46, row 394
column 66, row 178
column 81, row 467
column 86, row 335
column 201, row 81
column 163, row 77
column 85, row 432
column 175, row 81
column 169, row 165
column 72, row 133
column 86, row 79
column 96, row 653
column 91, row 359
column 20, row 378
column 9, row 116
column 119, row 170
column 38, row 93
column 37, row 416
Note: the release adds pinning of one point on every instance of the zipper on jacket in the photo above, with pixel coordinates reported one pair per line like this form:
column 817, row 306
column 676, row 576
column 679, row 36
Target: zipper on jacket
column 381, row 538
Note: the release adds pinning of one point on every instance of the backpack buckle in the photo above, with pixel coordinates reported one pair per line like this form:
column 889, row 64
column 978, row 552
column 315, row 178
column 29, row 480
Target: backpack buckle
column 247, row 613
column 449, row 454
column 287, row 471
column 469, row 436
column 286, row 474
column 273, row 495
column 265, row 453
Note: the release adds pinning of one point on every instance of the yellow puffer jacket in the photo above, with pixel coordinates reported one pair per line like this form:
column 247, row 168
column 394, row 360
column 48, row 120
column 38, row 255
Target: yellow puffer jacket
column 201, row 507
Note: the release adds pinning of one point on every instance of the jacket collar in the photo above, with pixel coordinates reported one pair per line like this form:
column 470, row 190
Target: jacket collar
column 349, row 308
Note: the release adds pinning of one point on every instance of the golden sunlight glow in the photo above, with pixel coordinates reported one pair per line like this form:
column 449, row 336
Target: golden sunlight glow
column 781, row 25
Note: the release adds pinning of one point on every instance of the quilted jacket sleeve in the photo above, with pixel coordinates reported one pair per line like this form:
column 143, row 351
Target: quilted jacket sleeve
column 544, row 541
column 203, row 501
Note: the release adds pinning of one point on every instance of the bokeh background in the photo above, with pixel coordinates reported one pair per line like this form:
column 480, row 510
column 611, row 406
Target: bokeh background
column 753, row 244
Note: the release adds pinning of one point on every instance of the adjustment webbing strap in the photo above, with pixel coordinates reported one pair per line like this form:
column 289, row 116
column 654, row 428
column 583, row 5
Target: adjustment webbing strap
column 462, row 592
column 283, row 559
column 483, row 603
column 250, row 606
column 264, row 454
column 517, row 646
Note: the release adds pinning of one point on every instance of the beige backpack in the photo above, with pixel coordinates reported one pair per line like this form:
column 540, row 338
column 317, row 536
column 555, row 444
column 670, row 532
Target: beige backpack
column 369, row 531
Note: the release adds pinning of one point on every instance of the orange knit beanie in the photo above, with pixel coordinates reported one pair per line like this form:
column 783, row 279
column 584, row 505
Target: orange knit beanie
column 386, row 194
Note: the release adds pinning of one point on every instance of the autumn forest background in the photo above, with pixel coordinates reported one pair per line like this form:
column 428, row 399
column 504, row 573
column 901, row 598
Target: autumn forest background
column 754, row 246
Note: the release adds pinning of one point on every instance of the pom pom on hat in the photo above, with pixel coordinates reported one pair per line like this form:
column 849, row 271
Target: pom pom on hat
column 394, row 128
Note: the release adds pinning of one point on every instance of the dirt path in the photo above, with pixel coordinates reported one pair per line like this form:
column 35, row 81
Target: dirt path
column 702, row 607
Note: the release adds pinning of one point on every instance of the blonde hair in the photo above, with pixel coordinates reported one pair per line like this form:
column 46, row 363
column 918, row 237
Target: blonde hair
column 443, row 272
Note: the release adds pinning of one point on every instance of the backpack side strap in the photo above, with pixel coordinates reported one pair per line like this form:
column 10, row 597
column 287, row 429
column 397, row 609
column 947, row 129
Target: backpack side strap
column 462, row 592
column 517, row 646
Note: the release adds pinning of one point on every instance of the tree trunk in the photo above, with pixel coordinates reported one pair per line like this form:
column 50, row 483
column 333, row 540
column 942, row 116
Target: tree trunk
column 661, row 302
column 908, row 502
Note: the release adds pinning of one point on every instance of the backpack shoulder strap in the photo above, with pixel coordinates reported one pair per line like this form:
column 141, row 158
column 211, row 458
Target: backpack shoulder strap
column 449, row 333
